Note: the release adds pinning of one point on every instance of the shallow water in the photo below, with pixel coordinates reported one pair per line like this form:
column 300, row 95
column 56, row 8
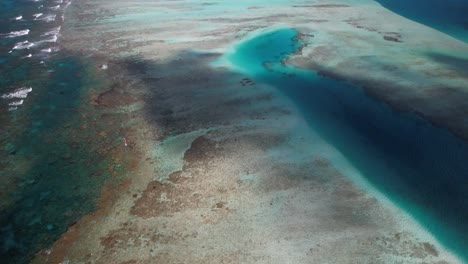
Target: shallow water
column 420, row 167
column 448, row 16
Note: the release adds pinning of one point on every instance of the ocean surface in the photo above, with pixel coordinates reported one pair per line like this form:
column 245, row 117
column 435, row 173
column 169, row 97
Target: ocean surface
column 448, row 16
column 422, row 168
column 47, row 174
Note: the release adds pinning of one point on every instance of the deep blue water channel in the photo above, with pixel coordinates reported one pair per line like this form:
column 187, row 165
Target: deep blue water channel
column 422, row 168
column 449, row 16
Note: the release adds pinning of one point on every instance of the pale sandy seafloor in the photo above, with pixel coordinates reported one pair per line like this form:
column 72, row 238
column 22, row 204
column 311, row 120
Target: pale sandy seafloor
column 227, row 173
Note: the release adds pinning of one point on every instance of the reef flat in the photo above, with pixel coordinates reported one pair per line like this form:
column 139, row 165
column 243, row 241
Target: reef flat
column 227, row 165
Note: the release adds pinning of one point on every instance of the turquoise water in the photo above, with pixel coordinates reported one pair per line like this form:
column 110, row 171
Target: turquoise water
column 422, row 168
column 449, row 16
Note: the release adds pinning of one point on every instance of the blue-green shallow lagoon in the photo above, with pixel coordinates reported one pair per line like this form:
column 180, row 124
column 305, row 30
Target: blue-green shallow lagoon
column 420, row 167
column 448, row 16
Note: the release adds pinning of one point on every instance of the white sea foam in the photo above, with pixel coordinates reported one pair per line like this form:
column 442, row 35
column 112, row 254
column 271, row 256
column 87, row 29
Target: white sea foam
column 17, row 33
column 50, row 50
column 28, row 56
column 68, row 2
column 53, row 35
column 18, row 17
column 16, row 103
column 23, row 45
column 36, row 16
column 19, row 93
column 54, row 7
column 51, row 39
column 49, row 18
column 54, row 31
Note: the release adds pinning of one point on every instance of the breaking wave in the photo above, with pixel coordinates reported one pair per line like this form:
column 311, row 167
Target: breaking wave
column 19, row 93
column 18, row 33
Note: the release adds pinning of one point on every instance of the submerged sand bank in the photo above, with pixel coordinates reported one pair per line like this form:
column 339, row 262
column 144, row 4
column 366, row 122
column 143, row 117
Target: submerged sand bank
column 226, row 170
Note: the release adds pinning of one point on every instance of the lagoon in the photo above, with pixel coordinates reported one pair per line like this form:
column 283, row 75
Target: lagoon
column 420, row 167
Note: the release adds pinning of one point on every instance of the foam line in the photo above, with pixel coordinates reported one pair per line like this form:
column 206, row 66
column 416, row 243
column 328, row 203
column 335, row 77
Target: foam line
column 19, row 93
